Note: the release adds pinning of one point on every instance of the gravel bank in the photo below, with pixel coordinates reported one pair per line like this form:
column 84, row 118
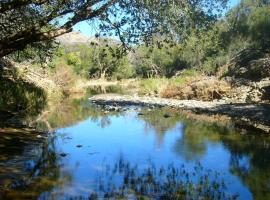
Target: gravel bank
column 254, row 115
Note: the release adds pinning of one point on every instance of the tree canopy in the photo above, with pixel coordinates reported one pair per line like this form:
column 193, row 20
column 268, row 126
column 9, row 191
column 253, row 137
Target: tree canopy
column 29, row 22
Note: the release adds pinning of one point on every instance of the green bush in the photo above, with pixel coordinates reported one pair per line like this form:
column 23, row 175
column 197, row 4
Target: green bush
column 205, row 49
column 73, row 58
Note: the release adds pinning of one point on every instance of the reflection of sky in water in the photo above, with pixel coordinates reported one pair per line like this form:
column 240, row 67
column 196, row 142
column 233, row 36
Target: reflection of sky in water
column 128, row 136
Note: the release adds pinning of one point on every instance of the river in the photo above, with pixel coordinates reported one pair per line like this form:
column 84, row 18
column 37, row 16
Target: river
column 92, row 152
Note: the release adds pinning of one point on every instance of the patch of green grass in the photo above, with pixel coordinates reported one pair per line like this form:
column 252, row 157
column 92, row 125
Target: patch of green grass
column 177, row 81
column 153, row 86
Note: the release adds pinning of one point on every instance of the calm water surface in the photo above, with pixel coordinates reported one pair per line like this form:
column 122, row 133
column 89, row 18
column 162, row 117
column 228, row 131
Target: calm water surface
column 130, row 154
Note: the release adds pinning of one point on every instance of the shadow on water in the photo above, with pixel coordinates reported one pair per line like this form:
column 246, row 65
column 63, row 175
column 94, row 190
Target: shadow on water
column 37, row 170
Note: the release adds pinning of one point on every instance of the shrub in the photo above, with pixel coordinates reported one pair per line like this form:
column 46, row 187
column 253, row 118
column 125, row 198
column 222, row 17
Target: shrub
column 202, row 88
column 64, row 76
column 73, row 58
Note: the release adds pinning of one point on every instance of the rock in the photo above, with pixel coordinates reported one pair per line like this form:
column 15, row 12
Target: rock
column 124, row 109
column 92, row 153
column 166, row 115
column 79, row 146
column 254, row 70
column 63, row 154
column 246, row 91
column 266, row 93
column 112, row 108
column 140, row 113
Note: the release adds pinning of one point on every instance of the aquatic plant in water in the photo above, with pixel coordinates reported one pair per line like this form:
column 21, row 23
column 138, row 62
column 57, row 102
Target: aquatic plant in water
column 123, row 181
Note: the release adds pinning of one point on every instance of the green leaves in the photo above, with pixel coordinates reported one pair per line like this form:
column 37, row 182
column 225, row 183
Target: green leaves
column 133, row 21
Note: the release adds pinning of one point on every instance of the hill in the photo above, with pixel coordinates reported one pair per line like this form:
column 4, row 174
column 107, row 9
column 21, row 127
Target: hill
column 75, row 38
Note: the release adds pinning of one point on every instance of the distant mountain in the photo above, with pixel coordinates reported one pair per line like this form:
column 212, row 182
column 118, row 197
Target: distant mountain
column 75, row 38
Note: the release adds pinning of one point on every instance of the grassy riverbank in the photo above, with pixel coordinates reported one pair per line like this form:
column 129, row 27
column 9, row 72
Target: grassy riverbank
column 54, row 84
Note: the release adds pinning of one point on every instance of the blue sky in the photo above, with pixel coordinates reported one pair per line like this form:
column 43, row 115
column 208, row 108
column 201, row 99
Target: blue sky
column 88, row 30
column 233, row 2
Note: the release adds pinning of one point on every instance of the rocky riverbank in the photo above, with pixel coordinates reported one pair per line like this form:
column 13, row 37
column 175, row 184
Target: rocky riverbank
column 253, row 115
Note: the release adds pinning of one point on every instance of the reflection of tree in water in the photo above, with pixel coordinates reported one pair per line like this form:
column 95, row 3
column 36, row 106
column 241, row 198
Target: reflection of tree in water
column 72, row 111
column 35, row 172
column 190, row 147
column 154, row 120
column 250, row 162
column 250, row 154
column 124, row 180
column 195, row 135
column 104, row 121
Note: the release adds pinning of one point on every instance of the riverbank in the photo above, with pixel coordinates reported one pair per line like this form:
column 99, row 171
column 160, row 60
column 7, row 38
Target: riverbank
column 252, row 115
column 239, row 98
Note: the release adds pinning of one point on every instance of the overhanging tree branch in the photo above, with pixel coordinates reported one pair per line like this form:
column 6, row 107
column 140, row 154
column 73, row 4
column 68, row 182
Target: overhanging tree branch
column 86, row 13
column 19, row 40
column 24, row 22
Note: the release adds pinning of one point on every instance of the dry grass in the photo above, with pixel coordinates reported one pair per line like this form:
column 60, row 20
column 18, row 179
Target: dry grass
column 64, row 77
column 200, row 88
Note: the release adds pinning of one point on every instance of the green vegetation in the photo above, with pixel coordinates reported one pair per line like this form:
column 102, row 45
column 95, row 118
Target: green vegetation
column 97, row 61
column 132, row 21
column 244, row 27
column 19, row 96
column 163, row 46
column 202, row 50
column 154, row 86
column 205, row 44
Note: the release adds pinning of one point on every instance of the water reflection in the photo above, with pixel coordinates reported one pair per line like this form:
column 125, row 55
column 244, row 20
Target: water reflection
column 69, row 112
column 170, row 182
column 36, row 168
column 250, row 162
column 195, row 134
column 134, row 153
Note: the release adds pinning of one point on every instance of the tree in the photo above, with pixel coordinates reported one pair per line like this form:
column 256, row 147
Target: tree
column 105, row 63
column 26, row 22
column 157, row 61
column 251, row 20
